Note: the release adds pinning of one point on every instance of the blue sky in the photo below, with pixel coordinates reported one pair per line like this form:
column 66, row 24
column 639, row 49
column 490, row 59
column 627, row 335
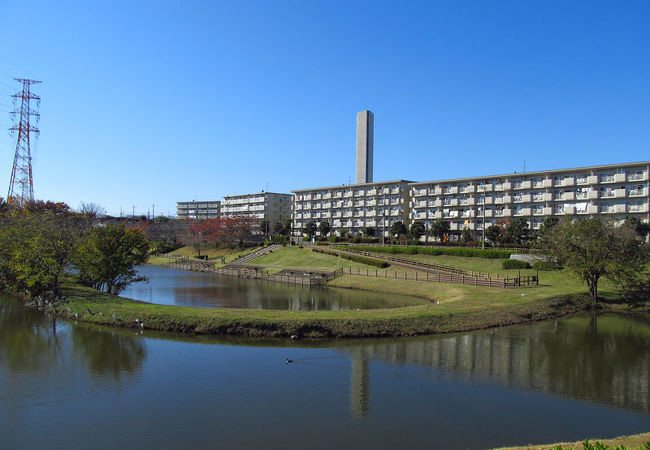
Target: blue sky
column 153, row 102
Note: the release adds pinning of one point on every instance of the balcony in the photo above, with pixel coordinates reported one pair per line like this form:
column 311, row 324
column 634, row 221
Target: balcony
column 538, row 211
column 419, row 192
column 592, row 179
column 569, row 196
column 547, row 183
column 485, row 188
column 507, row 186
column 592, row 209
column 637, row 176
column 619, row 193
column 468, row 189
column 569, row 181
column 569, row 209
column 619, row 178
column 372, row 192
column 548, row 211
column 638, row 208
column 636, row 192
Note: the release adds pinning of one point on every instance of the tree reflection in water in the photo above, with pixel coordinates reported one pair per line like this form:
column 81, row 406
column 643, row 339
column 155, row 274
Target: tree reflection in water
column 108, row 352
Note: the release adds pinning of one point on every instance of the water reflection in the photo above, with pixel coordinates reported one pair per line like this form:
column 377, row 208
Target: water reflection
column 184, row 288
column 604, row 359
column 61, row 382
column 108, row 353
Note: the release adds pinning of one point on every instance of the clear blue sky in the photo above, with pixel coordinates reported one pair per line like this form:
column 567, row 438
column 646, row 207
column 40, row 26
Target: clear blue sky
column 153, row 102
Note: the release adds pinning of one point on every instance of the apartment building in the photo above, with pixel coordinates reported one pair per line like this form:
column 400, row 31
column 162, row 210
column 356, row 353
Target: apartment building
column 271, row 206
column 617, row 191
column 351, row 208
column 198, row 210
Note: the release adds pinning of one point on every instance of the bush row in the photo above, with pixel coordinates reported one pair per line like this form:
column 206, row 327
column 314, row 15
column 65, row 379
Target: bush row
column 355, row 258
column 435, row 251
column 515, row 264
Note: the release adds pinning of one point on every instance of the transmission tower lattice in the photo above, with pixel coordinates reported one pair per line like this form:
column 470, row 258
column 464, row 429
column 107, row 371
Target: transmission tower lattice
column 21, row 185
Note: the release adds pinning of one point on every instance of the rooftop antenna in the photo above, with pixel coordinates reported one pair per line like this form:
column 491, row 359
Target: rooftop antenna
column 524, row 166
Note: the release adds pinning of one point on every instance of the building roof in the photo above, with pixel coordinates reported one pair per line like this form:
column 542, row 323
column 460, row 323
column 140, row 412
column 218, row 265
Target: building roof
column 375, row 183
column 539, row 172
column 253, row 194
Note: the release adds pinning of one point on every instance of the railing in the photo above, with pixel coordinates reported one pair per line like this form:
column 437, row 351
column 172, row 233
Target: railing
column 414, row 262
column 445, row 278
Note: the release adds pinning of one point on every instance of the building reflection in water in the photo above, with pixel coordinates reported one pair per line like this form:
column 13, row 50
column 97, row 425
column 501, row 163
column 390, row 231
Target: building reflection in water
column 604, row 359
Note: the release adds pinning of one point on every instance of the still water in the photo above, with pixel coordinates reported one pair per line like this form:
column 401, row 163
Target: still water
column 207, row 290
column 67, row 385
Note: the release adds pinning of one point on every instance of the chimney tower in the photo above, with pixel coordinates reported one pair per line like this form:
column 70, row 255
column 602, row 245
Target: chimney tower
column 365, row 140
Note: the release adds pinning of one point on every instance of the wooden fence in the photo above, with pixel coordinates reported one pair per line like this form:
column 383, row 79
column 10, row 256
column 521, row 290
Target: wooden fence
column 440, row 277
column 254, row 273
column 416, row 263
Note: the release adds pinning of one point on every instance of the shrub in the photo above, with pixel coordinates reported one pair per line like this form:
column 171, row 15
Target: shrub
column 306, row 239
column 364, row 260
column 434, row 251
column 546, row 266
column 515, row 264
column 334, row 239
column 355, row 258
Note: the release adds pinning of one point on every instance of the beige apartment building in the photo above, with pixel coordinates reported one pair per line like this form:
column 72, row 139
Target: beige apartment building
column 271, row 206
column 617, row 191
column 198, row 210
column 351, row 208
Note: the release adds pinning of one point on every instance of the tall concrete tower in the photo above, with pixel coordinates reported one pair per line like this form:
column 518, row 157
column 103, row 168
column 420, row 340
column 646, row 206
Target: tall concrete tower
column 365, row 139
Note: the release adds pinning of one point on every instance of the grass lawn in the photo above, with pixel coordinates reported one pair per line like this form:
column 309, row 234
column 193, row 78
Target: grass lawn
column 213, row 254
column 296, row 257
column 632, row 442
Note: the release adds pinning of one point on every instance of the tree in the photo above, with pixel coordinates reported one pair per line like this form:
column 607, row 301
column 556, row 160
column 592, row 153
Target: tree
column 641, row 228
column 440, row 228
column 595, row 248
column 398, row 229
column 324, row 227
column 264, row 226
column 310, row 228
column 369, row 231
column 517, row 231
column 493, row 233
column 91, row 211
column 106, row 257
column 466, row 235
column 34, row 250
column 417, row 230
column 195, row 236
column 548, row 225
column 278, row 228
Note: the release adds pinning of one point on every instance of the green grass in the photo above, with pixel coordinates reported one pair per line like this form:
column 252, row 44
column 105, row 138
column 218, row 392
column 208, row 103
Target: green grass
column 631, row 442
column 458, row 313
column 304, row 258
column 214, row 254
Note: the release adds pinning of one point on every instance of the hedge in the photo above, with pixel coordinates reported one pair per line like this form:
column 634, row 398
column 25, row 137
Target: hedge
column 435, row 251
column 515, row 264
column 355, row 258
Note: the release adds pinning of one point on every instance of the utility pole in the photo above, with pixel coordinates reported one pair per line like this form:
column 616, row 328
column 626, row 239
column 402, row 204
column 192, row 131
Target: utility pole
column 153, row 211
column 21, row 185
column 133, row 211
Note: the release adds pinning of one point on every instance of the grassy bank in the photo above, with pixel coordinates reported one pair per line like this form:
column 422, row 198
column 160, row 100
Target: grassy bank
column 92, row 306
column 213, row 254
column 448, row 307
column 635, row 441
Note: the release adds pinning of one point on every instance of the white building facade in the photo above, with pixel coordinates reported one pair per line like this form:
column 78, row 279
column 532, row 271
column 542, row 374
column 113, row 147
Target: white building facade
column 271, row 206
column 198, row 210
column 618, row 191
column 353, row 208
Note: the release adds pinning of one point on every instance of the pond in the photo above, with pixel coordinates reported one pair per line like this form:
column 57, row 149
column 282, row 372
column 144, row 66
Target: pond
column 73, row 385
column 208, row 290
